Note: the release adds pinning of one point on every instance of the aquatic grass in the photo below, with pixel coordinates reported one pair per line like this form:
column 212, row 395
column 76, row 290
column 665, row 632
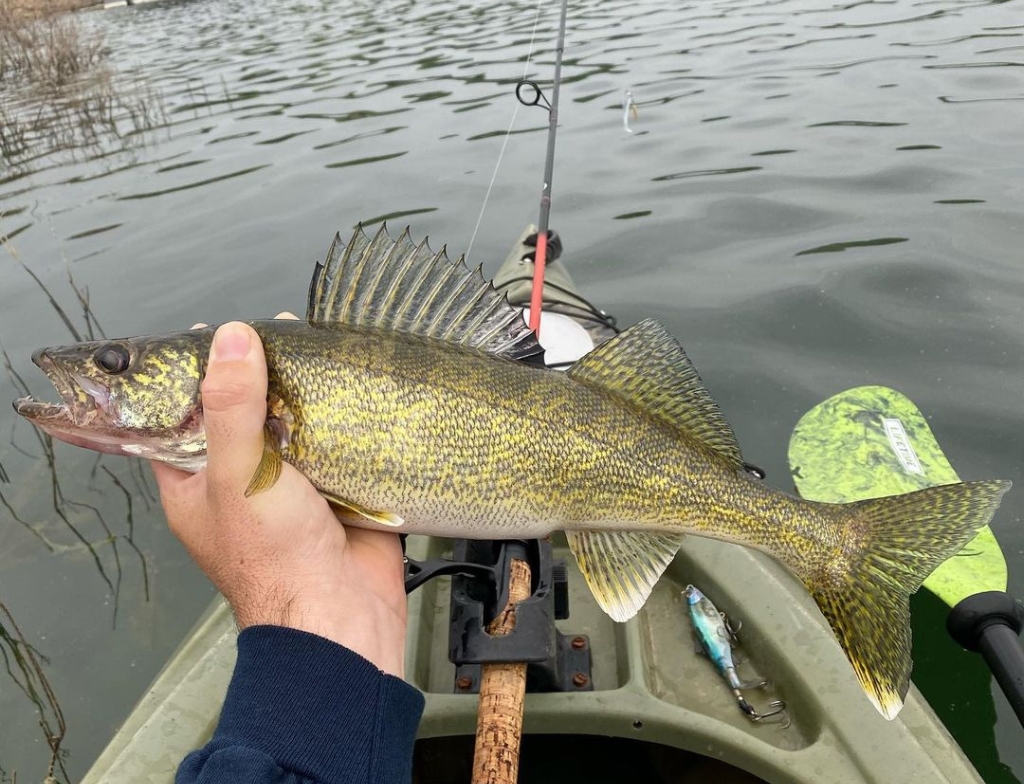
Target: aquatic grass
column 57, row 95
column 24, row 666
column 57, row 90
column 90, row 532
column 57, row 495
column 91, row 117
column 44, row 43
column 112, row 578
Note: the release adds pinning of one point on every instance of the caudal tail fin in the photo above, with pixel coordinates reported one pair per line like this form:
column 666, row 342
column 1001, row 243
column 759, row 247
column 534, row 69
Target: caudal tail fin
column 898, row 541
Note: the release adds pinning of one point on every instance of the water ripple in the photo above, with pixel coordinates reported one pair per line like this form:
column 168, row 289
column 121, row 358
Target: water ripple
column 839, row 247
column 191, row 185
column 364, row 161
column 94, row 232
column 704, row 173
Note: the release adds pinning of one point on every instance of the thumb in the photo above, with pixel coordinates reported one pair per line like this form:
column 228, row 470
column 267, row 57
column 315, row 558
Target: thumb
column 234, row 408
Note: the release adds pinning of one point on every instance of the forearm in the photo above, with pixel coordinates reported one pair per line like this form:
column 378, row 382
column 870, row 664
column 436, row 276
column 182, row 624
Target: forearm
column 303, row 710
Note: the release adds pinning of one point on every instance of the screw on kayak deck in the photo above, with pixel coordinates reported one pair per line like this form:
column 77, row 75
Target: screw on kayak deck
column 580, row 679
column 464, row 683
column 579, row 643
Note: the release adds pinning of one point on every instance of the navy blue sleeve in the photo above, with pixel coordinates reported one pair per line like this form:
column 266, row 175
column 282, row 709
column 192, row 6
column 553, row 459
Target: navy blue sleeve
column 301, row 709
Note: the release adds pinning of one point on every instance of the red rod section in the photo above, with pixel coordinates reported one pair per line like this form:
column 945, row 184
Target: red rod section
column 537, row 295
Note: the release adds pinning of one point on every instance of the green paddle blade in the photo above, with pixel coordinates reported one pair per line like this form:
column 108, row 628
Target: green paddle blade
column 870, row 442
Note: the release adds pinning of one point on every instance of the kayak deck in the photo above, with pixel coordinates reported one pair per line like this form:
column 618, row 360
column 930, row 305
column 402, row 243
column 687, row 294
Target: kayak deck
column 650, row 685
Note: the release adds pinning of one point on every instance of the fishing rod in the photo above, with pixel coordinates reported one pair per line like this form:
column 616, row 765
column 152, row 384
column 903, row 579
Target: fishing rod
column 503, row 684
column 535, row 98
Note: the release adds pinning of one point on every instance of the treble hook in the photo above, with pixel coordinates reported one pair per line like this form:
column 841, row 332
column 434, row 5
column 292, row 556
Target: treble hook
column 532, row 98
column 775, row 707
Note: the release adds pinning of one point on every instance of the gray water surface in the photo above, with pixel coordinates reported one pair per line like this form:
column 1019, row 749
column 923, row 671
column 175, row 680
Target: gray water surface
column 816, row 195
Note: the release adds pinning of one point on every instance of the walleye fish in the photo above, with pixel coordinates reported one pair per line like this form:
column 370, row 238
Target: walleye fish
column 401, row 399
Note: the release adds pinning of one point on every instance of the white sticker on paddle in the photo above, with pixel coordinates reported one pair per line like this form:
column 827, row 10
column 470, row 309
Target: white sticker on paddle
column 901, row 446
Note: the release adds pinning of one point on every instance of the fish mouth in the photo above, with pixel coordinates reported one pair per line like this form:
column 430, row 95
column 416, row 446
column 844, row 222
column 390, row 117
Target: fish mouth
column 89, row 415
column 83, row 400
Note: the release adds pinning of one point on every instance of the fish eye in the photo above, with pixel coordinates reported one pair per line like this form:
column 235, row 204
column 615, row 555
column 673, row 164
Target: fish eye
column 112, row 359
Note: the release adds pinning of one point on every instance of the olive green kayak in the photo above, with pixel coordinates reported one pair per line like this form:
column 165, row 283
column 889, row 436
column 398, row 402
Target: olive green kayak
column 658, row 710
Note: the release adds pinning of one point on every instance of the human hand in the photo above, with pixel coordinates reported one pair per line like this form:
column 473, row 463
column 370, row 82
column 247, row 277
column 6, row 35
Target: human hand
column 280, row 557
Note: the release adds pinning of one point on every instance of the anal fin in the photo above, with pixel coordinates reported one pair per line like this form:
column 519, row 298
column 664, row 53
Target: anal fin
column 621, row 567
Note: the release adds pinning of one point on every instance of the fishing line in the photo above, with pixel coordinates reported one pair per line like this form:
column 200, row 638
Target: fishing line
column 508, row 135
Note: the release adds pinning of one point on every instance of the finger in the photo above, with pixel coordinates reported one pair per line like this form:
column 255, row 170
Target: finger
column 287, row 314
column 234, row 409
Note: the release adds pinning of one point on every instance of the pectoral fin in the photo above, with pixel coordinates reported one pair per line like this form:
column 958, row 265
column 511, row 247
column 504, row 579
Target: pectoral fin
column 347, row 507
column 269, row 469
column 621, row 568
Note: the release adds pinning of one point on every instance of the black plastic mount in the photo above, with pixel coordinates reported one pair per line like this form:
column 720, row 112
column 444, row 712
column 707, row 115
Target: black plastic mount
column 554, row 247
column 990, row 623
column 479, row 591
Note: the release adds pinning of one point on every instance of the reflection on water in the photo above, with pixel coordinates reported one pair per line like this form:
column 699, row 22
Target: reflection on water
column 815, row 195
column 85, row 119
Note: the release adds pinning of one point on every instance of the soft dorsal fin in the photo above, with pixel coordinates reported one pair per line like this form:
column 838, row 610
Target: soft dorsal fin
column 403, row 287
column 647, row 367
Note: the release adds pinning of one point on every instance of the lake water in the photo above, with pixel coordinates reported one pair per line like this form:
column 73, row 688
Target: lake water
column 816, row 195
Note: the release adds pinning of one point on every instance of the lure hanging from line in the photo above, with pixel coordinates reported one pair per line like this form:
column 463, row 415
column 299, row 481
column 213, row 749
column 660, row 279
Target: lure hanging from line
column 628, row 108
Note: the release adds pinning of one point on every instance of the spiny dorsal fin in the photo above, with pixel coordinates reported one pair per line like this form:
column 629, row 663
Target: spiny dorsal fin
column 647, row 367
column 621, row 567
column 403, row 287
